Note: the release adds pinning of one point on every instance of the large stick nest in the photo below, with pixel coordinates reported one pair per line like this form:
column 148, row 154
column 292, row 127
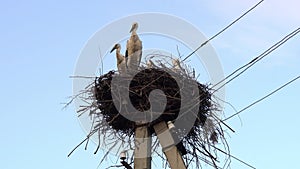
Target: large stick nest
column 109, row 109
column 140, row 87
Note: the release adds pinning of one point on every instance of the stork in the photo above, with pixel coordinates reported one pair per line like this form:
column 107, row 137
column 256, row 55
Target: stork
column 150, row 64
column 176, row 66
column 121, row 62
column 133, row 49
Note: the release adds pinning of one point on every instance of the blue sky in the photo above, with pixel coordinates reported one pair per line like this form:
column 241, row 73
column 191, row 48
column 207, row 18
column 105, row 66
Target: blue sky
column 41, row 40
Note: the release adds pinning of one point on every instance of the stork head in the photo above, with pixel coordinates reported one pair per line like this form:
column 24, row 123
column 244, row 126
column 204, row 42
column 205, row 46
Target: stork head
column 134, row 27
column 117, row 46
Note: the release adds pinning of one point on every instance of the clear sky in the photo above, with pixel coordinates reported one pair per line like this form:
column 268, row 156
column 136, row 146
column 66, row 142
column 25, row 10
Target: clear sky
column 41, row 41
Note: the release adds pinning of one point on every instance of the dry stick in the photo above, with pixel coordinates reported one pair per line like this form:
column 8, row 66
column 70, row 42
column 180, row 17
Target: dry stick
column 99, row 142
column 118, row 166
column 261, row 99
column 73, row 98
column 101, row 60
column 222, row 30
column 81, row 77
column 233, row 157
column 210, row 156
column 87, row 142
column 226, row 125
column 81, row 143
column 206, row 154
column 215, row 116
column 106, row 154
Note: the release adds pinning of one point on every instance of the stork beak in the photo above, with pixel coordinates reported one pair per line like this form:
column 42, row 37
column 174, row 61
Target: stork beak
column 115, row 47
column 131, row 29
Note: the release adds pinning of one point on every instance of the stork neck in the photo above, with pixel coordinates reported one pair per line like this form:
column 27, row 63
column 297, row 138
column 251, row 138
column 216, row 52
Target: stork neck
column 120, row 57
column 133, row 32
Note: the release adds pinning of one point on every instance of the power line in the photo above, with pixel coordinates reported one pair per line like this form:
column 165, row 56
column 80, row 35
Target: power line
column 257, row 59
column 222, row 30
column 252, row 62
column 222, row 151
column 261, row 99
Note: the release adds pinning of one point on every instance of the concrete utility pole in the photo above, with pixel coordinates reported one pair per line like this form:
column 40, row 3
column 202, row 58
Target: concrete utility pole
column 142, row 152
column 168, row 145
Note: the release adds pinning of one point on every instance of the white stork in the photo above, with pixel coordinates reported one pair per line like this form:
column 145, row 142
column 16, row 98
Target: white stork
column 133, row 49
column 150, row 64
column 176, row 66
column 121, row 62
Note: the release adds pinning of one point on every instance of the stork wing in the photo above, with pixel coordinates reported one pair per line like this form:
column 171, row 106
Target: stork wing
column 126, row 58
